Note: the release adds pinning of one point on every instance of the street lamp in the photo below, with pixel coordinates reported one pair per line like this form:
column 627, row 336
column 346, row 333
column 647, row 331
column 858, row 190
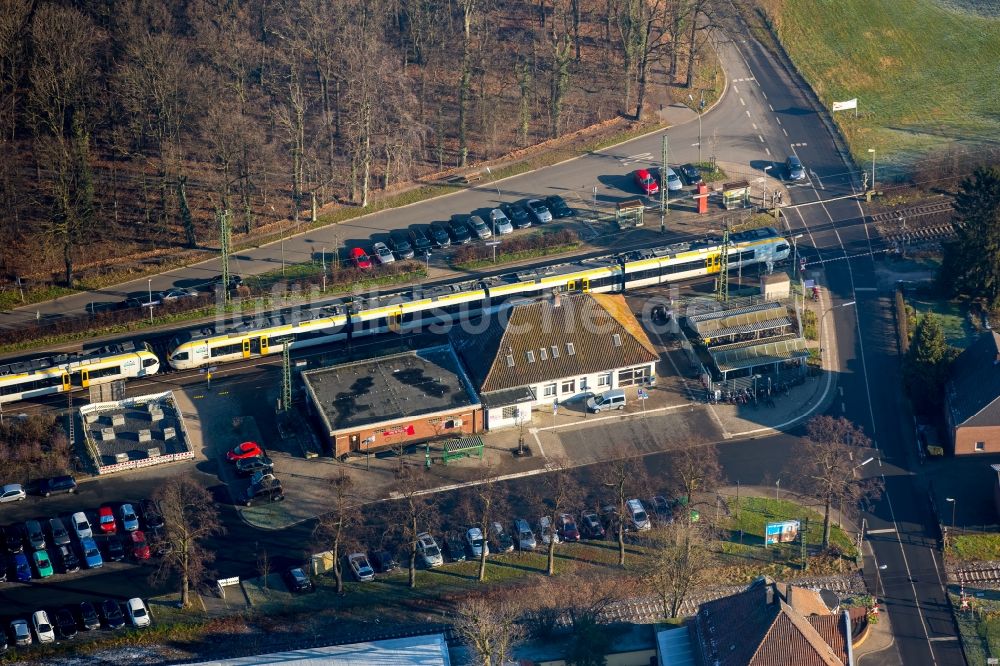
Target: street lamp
column 700, row 107
column 954, row 503
column 496, row 186
column 281, row 231
column 872, row 151
column 323, row 258
column 149, row 288
column 766, row 169
column 823, row 318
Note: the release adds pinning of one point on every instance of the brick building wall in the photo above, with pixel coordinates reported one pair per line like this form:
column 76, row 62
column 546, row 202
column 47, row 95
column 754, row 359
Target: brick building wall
column 380, row 436
column 981, row 439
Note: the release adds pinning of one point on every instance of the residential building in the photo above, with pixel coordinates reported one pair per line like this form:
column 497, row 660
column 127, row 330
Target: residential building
column 972, row 397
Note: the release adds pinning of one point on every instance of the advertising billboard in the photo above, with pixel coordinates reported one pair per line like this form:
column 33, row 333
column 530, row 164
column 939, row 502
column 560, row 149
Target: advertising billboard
column 783, row 532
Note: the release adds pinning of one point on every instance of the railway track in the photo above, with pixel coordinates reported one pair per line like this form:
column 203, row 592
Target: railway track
column 912, row 212
column 979, row 577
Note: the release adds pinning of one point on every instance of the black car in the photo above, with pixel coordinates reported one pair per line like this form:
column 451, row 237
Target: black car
column 590, row 526
column 298, row 581
column 558, row 206
column 151, row 515
column 420, row 242
column 13, row 536
column 267, row 489
column 70, row 562
column 399, row 241
column 794, row 168
column 454, row 547
column 383, row 561
column 690, row 173
column 114, row 549
column 35, row 535
column 88, row 616
column 235, row 282
column 247, row 466
column 64, row 622
column 57, row 485
column 439, row 234
column 459, row 230
column 111, row 614
column 517, row 214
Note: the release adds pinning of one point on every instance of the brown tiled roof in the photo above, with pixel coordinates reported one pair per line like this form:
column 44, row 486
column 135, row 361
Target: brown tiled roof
column 975, row 383
column 515, row 347
column 757, row 628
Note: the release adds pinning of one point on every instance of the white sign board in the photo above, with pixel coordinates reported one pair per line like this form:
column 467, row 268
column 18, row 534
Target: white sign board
column 843, row 106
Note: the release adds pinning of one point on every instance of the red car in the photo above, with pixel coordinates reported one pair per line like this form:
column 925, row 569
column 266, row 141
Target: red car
column 106, row 520
column 244, row 450
column 567, row 528
column 140, row 548
column 646, row 182
column 360, row 258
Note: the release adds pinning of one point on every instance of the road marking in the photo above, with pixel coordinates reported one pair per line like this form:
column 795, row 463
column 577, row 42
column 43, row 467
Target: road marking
column 785, row 131
column 770, row 107
column 632, row 159
column 764, row 94
column 761, row 138
column 887, row 530
column 816, row 178
column 940, row 639
column 842, row 408
column 742, row 102
column 736, row 88
column 754, row 126
column 748, row 113
column 777, row 119
column 534, row 433
column 768, row 152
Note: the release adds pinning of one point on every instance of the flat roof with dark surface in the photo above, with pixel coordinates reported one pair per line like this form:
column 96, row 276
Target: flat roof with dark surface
column 390, row 388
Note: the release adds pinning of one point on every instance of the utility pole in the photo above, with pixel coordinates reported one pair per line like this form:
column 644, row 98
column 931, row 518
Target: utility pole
column 286, row 374
column 722, row 280
column 224, row 241
column 663, row 186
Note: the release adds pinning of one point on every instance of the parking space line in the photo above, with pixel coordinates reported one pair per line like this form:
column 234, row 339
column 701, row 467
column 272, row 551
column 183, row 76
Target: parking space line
column 534, row 433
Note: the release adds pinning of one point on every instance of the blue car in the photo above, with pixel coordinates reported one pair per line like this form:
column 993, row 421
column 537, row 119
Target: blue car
column 91, row 555
column 21, row 567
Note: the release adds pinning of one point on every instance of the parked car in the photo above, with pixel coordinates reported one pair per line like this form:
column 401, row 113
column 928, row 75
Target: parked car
column 480, row 228
column 13, row 538
column 178, row 294
column 60, row 536
column 267, row 489
column 637, row 515
column 500, row 222
column 130, row 521
column 140, row 547
column 88, row 616
column 546, row 531
column 235, row 282
column 151, row 515
column 567, row 528
column 114, row 549
column 111, row 614
column 5, row 563
column 22, row 570
column 249, row 466
column 43, row 627
column 43, row 565
column 36, row 538
column 81, row 526
column 428, row 550
column 383, row 254
column 794, row 168
column 523, row 536
column 12, row 492
column 360, row 258
column 610, row 519
column 360, row 567
column 158, row 544
column 91, row 555
column 244, row 450
column 674, row 183
column 70, row 562
column 646, row 182
column 298, row 581
column 539, row 212
column 590, row 526
column 454, row 547
column 558, row 206
column 57, row 485
column 106, row 523
column 20, row 633
column 137, row 612
column 502, row 542
column 477, row 544
column 517, row 214
column 661, row 508
column 459, row 230
column 690, row 173
column 383, row 561
column 439, row 234
column 420, row 241
column 64, row 622
column 399, row 241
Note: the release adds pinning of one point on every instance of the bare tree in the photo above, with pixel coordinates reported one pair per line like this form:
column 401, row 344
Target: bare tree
column 415, row 512
column 827, row 466
column 334, row 528
column 561, row 491
column 189, row 516
column 490, row 625
column 624, row 476
column 264, row 566
column 677, row 560
column 695, row 469
column 491, row 496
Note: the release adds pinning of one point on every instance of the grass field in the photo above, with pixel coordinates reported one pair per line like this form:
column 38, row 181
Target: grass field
column 958, row 330
column 924, row 73
column 975, row 547
column 755, row 512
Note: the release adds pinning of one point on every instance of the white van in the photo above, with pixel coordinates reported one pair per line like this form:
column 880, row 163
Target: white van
column 637, row 515
column 607, row 400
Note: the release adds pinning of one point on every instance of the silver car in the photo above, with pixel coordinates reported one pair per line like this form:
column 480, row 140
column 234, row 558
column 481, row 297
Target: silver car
column 539, row 211
column 547, row 531
column 360, row 567
column 428, row 549
column 523, row 536
column 482, row 230
column 500, row 223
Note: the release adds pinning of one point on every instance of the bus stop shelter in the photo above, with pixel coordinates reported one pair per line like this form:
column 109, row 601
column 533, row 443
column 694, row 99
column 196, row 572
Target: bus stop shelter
column 736, row 194
column 628, row 214
column 733, row 361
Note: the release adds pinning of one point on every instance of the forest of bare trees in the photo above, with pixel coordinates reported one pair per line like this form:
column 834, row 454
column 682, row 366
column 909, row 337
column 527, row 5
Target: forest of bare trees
column 125, row 126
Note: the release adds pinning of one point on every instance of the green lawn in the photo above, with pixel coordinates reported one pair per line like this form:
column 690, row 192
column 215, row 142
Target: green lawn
column 953, row 316
column 924, row 74
column 975, row 547
column 756, row 512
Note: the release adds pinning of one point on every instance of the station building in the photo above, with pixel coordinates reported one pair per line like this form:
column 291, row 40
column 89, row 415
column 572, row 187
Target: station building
column 557, row 350
column 397, row 399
